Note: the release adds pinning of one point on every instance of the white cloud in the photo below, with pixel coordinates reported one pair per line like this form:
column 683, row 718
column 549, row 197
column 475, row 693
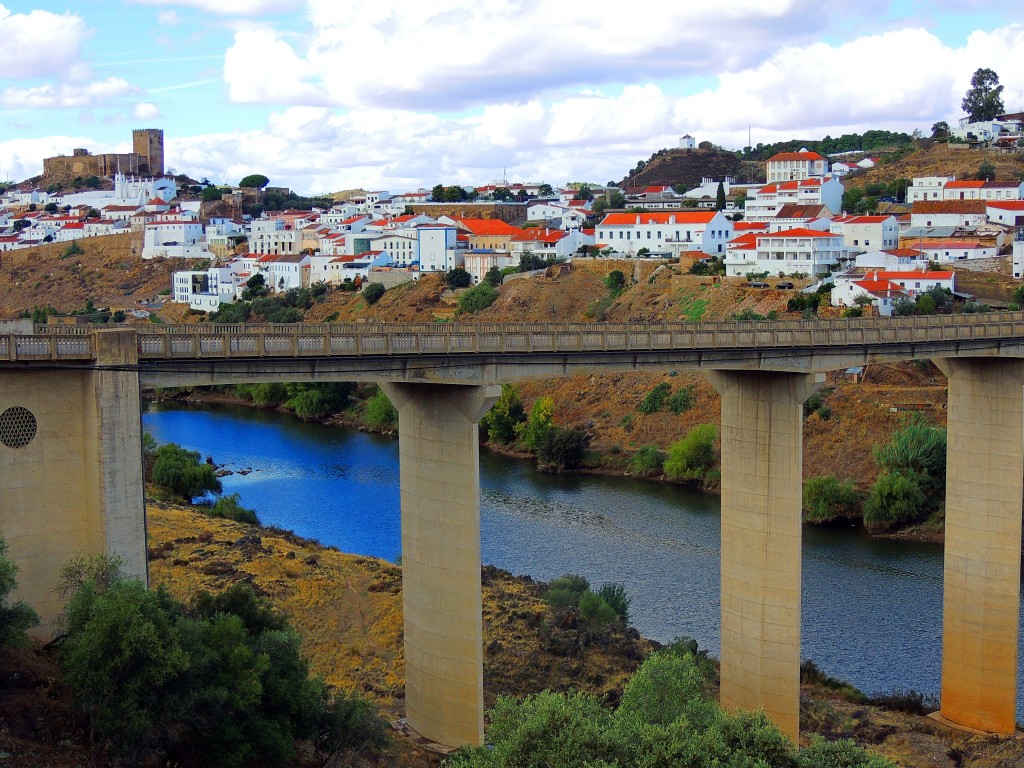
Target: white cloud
column 145, row 110
column 67, row 95
column 452, row 54
column 39, row 43
column 168, row 18
column 231, row 7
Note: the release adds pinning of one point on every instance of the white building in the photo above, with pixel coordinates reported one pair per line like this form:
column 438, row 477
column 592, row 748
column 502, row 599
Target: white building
column 864, row 233
column 437, row 247
column 206, row 290
column 766, row 202
column 796, row 166
column 892, row 285
column 666, row 232
column 687, row 142
column 174, row 238
column 948, row 213
column 1009, row 213
column 1018, row 253
column 782, row 253
column 956, row 250
column 275, row 236
column 927, row 188
column 893, row 260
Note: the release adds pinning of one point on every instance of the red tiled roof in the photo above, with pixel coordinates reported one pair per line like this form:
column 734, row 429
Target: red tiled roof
column 782, row 156
column 903, row 252
column 747, row 226
column 747, row 242
column 879, row 286
column 667, row 217
column 1007, row 205
column 799, row 232
column 964, row 184
column 488, row 227
column 949, row 206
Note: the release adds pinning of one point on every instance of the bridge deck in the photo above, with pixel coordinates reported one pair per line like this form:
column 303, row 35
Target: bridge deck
column 180, row 342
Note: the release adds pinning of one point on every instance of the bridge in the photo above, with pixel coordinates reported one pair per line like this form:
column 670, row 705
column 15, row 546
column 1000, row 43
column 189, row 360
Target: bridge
column 71, row 471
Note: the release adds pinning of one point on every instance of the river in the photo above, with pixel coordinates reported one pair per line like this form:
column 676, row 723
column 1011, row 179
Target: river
column 872, row 608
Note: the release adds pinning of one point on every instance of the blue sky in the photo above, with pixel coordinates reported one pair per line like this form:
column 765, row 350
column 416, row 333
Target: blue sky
column 322, row 95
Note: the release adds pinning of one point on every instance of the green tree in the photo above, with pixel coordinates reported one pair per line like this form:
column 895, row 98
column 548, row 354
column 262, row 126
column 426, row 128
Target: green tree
column 540, row 421
column 230, row 507
column 15, row 618
column 720, row 197
column 983, row 100
column 254, row 181
column 826, row 498
column 940, row 130
column 917, row 448
column 120, row 651
column 380, row 412
column 654, row 400
column 986, row 171
column 181, row 472
column 458, row 278
column 584, row 193
column 501, row 422
column 545, row 190
column 372, row 292
column 494, row 277
column 211, row 194
column 648, row 461
column 690, row 458
column 614, row 594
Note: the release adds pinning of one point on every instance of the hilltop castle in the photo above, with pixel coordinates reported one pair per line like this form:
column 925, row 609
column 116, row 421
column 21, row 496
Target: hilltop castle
column 146, row 157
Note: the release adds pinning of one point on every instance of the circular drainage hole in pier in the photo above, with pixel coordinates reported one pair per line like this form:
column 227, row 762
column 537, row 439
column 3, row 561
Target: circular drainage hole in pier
column 17, row 427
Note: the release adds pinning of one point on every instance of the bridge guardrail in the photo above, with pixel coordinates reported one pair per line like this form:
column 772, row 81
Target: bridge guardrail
column 299, row 340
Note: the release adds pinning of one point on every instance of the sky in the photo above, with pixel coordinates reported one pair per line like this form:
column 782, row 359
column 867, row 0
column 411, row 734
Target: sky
column 398, row 95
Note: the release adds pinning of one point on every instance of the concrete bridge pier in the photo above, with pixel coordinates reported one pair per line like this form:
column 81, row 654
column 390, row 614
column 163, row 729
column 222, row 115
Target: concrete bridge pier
column 981, row 590
column 71, row 469
column 440, row 483
column 762, row 444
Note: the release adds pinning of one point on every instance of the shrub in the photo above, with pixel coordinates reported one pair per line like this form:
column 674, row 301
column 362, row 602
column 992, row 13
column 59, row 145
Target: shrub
column 478, row 298
column 647, row 462
column 615, row 281
column 827, row 498
column 264, row 395
column 614, row 594
column 894, row 499
column 561, row 449
column 595, row 613
column 372, row 293
column 458, row 278
column 229, row 507
column 565, row 591
column 682, row 400
column 501, row 422
column 181, row 472
column 916, row 448
column 380, row 412
column 314, row 400
column 15, row 618
column 654, row 401
column 72, row 250
column 839, row 754
column 690, row 458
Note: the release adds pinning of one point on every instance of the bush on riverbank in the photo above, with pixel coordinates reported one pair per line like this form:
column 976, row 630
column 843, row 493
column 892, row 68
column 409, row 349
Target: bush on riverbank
column 182, row 473
column 573, row 603
column 221, row 678
column 690, row 459
column 667, row 717
column 827, row 499
column 913, row 480
column 379, row 412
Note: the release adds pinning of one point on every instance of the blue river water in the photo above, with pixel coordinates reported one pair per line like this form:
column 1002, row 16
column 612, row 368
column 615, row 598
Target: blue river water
column 872, row 609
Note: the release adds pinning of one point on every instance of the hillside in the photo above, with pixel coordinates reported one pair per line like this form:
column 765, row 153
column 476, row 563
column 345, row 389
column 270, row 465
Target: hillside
column 108, row 272
column 936, row 159
column 689, row 166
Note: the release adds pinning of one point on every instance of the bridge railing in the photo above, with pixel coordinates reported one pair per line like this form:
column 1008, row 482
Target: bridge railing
column 340, row 339
column 36, row 347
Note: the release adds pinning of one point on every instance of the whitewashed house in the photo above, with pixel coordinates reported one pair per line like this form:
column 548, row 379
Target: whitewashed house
column 765, row 203
column 666, row 232
column 174, row 238
column 1009, row 213
column 796, row 166
column 864, row 233
column 782, row 253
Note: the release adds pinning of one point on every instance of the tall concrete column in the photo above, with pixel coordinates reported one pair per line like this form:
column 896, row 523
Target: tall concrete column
column 71, row 469
column 762, row 443
column 981, row 588
column 440, row 478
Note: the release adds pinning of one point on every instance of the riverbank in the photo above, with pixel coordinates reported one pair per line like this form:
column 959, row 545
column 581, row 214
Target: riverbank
column 348, row 610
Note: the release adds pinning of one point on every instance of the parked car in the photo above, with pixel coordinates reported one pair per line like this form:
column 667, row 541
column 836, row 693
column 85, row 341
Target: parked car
column 757, row 284
column 785, row 285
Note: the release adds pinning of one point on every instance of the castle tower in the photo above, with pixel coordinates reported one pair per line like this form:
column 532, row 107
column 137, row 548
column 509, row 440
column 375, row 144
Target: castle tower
column 149, row 142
